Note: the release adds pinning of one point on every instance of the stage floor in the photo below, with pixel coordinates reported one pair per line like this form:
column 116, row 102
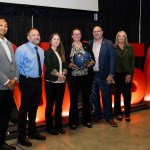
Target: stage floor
column 127, row 136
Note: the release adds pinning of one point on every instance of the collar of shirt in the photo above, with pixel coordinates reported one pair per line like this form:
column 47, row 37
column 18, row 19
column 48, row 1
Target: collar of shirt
column 32, row 45
column 3, row 40
column 99, row 42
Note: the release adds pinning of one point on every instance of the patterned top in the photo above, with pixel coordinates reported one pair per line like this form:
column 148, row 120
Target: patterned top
column 79, row 71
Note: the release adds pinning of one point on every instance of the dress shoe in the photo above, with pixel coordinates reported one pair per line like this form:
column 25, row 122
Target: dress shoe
column 128, row 119
column 5, row 146
column 24, row 142
column 112, row 123
column 53, row 132
column 119, row 117
column 73, row 127
column 36, row 136
column 61, row 131
column 89, row 125
column 96, row 119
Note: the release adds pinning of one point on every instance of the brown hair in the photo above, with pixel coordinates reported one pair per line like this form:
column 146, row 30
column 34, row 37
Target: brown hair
column 60, row 48
column 76, row 29
column 31, row 30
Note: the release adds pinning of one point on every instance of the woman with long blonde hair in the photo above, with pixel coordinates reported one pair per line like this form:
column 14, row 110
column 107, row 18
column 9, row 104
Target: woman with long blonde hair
column 124, row 71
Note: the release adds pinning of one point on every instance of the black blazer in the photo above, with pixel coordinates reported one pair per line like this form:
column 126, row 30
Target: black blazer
column 52, row 65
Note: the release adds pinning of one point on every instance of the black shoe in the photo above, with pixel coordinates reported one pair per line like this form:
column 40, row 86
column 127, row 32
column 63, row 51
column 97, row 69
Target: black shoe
column 89, row 125
column 119, row 117
column 128, row 119
column 73, row 127
column 24, row 142
column 96, row 119
column 53, row 132
column 5, row 146
column 36, row 136
column 61, row 131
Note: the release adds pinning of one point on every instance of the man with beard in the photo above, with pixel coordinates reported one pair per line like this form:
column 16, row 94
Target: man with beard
column 29, row 59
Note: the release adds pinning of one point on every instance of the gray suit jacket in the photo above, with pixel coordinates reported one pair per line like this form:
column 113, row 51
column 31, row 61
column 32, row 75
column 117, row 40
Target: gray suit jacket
column 8, row 70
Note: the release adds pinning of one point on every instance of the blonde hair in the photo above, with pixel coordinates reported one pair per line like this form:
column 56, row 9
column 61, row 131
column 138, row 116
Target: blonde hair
column 126, row 38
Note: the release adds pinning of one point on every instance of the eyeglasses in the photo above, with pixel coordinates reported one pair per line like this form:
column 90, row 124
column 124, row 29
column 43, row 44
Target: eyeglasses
column 77, row 34
column 98, row 31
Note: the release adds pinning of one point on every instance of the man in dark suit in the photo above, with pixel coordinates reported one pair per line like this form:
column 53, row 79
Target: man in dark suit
column 8, row 80
column 104, row 70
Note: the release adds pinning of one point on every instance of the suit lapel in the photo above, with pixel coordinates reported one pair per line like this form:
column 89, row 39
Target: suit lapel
column 11, row 50
column 2, row 48
column 102, row 48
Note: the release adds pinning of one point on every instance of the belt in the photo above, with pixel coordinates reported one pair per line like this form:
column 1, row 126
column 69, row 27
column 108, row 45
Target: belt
column 31, row 78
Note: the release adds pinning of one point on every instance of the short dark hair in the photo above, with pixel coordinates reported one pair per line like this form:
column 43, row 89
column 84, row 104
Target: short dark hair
column 3, row 18
column 31, row 29
column 76, row 29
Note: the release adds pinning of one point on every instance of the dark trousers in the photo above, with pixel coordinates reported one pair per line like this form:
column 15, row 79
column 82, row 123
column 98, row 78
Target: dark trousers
column 31, row 90
column 6, row 103
column 101, row 84
column 76, row 84
column 121, row 87
column 54, row 94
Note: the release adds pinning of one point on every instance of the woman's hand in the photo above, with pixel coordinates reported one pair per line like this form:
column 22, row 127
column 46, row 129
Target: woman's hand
column 110, row 79
column 61, row 77
column 73, row 66
column 128, row 78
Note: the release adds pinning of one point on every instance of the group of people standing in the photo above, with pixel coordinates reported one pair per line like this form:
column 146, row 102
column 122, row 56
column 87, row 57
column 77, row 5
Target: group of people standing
column 108, row 65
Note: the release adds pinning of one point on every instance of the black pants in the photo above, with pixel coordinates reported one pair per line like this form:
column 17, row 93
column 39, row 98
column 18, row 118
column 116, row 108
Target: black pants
column 6, row 103
column 54, row 94
column 83, row 83
column 121, row 87
column 31, row 90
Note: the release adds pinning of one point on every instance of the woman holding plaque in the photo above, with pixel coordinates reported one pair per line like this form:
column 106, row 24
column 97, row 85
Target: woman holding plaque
column 80, row 60
column 55, row 77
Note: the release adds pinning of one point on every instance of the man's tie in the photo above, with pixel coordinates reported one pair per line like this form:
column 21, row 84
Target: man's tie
column 39, row 62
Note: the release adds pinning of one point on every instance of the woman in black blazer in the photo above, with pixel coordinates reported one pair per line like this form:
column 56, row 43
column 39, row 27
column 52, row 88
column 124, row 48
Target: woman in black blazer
column 79, row 79
column 55, row 76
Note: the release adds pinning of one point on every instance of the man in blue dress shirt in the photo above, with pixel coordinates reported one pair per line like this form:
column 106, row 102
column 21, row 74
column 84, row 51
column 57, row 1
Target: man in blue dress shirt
column 29, row 59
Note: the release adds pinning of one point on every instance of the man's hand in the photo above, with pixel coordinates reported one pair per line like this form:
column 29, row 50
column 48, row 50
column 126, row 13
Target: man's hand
column 91, row 63
column 110, row 79
column 11, row 84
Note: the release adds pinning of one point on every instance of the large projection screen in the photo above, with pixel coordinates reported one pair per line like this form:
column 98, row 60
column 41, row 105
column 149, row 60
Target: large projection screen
column 90, row 5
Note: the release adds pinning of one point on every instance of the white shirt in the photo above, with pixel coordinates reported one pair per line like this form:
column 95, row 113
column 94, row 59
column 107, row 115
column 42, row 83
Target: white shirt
column 60, row 67
column 96, row 51
column 4, row 44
